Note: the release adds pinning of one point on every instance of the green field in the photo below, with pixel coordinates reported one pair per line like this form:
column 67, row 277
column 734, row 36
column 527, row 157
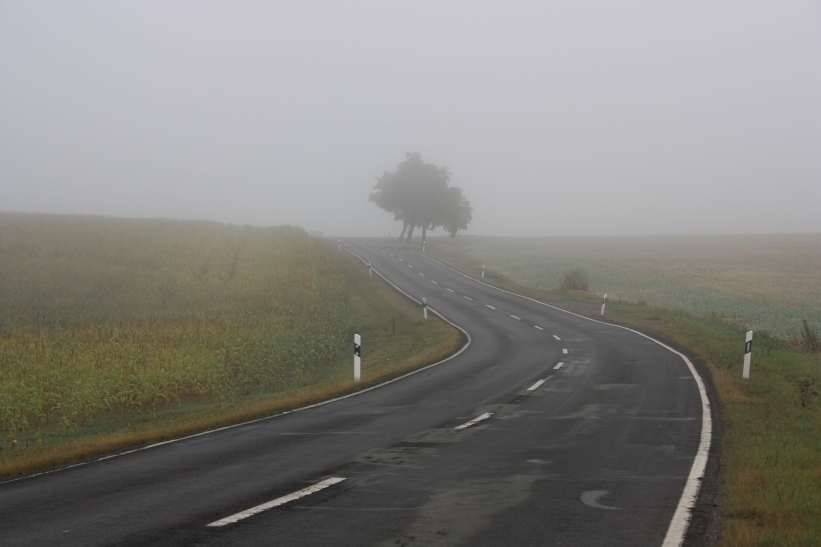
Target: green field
column 113, row 325
column 769, row 282
column 703, row 292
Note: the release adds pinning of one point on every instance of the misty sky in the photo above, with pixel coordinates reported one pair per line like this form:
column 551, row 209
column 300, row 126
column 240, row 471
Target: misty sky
column 555, row 118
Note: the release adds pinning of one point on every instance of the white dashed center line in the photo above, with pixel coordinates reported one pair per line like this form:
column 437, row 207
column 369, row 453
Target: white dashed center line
column 434, row 282
column 277, row 502
column 420, row 273
column 450, row 290
column 400, row 260
column 489, row 306
column 564, row 350
column 558, row 366
column 539, row 383
column 516, row 318
column 469, row 298
column 409, row 266
column 537, row 327
column 556, row 337
column 474, row 421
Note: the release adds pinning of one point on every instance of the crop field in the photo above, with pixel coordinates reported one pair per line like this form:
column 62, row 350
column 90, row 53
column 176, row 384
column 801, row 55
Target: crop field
column 103, row 318
column 769, row 282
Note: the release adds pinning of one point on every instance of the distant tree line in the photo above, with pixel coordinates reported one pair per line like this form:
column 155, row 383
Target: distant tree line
column 419, row 195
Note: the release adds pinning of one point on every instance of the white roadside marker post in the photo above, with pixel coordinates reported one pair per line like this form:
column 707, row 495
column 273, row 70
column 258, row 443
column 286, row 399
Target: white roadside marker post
column 340, row 244
column 483, row 271
column 748, row 349
column 603, row 303
column 357, row 350
column 425, row 307
column 370, row 270
column 423, row 245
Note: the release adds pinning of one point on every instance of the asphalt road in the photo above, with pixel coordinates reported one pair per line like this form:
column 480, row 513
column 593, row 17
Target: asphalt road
column 500, row 445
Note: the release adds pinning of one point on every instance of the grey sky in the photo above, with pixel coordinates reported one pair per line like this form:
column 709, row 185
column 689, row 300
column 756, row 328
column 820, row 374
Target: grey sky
column 556, row 118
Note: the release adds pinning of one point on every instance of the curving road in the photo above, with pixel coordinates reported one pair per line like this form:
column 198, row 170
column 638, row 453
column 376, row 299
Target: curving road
column 547, row 429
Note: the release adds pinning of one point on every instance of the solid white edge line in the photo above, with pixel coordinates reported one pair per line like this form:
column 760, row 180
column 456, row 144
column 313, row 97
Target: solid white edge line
column 556, row 337
column 558, row 366
column 474, row 421
column 277, row 502
column 681, row 518
column 536, row 385
column 272, row 416
column 537, row 327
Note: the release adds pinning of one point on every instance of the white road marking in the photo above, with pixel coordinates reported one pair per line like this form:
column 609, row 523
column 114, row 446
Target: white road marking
column 564, row 350
column 537, row 327
column 558, row 366
column 434, row 282
column 556, row 337
column 409, row 266
column 390, row 254
column 420, row 273
column 400, row 260
column 277, row 502
column 474, row 421
column 489, row 306
column 536, row 385
column 450, row 290
column 591, row 498
column 516, row 318
column 469, row 298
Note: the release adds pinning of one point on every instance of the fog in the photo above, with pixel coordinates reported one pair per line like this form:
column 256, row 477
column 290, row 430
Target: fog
column 555, row 118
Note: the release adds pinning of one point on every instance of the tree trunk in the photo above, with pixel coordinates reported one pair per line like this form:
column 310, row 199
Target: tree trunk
column 404, row 229
column 410, row 233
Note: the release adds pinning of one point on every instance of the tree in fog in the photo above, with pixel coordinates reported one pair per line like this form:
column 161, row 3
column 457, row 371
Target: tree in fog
column 419, row 195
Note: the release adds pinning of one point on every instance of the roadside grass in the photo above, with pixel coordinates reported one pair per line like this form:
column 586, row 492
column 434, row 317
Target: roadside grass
column 770, row 478
column 120, row 333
